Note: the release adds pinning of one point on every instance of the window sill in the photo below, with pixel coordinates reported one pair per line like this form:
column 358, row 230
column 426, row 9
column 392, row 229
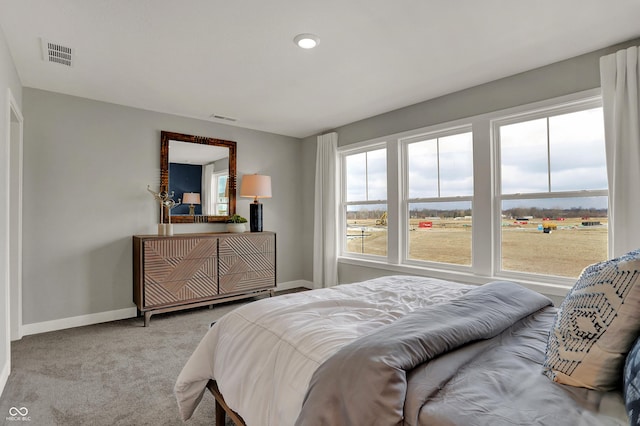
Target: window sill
column 559, row 289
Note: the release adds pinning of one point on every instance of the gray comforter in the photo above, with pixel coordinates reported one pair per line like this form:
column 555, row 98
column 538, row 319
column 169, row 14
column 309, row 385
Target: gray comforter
column 476, row 360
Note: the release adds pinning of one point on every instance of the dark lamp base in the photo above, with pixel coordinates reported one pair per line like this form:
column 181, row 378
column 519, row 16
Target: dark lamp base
column 255, row 217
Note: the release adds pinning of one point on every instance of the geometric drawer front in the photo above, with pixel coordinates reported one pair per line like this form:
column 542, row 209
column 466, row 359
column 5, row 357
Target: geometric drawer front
column 171, row 292
column 234, row 264
column 246, row 262
column 178, row 270
column 237, row 281
column 244, row 244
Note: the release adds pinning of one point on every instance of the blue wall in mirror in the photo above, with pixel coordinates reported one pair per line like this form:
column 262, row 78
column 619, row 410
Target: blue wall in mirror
column 185, row 178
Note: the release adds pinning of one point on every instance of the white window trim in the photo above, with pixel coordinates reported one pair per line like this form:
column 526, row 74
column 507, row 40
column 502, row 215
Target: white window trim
column 484, row 202
column 405, row 200
column 343, row 204
column 555, row 109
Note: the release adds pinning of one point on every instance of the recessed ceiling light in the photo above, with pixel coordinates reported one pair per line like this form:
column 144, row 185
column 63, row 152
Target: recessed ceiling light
column 306, row 41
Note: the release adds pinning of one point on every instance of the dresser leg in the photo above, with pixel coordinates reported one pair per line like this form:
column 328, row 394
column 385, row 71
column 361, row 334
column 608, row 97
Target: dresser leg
column 147, row 317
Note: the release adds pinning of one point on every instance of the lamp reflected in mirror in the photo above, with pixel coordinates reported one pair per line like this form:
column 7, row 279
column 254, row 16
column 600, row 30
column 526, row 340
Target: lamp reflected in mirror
column 191, row 198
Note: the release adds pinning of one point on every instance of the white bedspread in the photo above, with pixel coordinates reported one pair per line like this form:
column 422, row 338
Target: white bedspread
column 263, row 354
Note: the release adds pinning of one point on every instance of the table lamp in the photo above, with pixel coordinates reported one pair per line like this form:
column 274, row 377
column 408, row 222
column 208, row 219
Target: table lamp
column 191, row 198
column 256, row 186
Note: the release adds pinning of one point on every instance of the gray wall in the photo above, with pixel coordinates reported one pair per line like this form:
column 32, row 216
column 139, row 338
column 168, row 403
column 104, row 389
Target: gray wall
column 87, row 165
column 8, row 80
column 554, row 80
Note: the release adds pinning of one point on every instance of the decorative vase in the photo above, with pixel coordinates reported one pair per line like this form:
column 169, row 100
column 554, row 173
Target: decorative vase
column 165, row 229
column 236, row 227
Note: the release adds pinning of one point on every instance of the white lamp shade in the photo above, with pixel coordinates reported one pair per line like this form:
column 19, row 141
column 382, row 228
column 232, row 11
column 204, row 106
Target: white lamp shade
column 191, row 198
column 256, row 186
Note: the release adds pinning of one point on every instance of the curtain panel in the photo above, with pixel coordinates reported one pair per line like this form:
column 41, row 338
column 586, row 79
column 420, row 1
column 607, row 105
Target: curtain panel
column 619, row 79
column 208, row 196
column 325, row 217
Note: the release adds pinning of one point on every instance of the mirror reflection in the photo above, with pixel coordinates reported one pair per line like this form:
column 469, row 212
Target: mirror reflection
column 201, row 173
column 198, row 175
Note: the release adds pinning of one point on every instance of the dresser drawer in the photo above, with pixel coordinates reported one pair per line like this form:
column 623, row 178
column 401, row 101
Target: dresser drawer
column 247, row 281
column 247, row 263
column 179, row 270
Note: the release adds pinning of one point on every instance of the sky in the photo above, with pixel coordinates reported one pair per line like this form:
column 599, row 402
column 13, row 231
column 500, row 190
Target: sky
column 562, row 153
column 568, row 154
column 367, row 176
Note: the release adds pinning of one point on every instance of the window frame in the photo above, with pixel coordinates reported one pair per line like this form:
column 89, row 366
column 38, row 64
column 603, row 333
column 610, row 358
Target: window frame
column 558, row 109
column 344, row 204
column 485, row 221
column 215, row 183
column 404, row 142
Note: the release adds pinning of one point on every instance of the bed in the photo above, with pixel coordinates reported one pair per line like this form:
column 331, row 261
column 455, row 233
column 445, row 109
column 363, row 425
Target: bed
column 392, row 350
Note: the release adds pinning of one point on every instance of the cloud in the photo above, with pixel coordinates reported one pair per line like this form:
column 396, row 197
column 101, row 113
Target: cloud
column 569, row 152
column 447, row 161
column 367, row 175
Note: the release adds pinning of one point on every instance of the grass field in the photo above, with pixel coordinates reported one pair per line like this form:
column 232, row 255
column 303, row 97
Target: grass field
column 565, row 251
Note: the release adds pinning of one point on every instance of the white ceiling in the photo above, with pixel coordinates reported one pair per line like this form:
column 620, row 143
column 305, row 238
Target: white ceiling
column 237, row 59
column 195, row 153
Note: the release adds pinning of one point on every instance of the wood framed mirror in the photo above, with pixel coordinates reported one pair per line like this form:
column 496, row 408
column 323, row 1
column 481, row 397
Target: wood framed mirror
column 204, row 169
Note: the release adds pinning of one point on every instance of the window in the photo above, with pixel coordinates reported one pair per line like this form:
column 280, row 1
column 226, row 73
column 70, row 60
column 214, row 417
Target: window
column 518, row 194
column 439, row 191
column 364, row 202
column 219, row 188
column 216, row 197
column 553, row 190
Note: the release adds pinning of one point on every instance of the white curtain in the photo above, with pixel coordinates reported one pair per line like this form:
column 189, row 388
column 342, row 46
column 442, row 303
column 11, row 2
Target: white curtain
column 619, row 78
column 325, row 217
column 208, row 196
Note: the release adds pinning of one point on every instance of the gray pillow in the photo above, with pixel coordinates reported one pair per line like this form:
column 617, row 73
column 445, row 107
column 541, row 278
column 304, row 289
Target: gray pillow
column 631, row 384
column 596, row 325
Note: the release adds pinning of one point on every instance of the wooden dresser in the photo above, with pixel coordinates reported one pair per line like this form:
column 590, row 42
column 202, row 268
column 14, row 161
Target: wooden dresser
column 190, row 270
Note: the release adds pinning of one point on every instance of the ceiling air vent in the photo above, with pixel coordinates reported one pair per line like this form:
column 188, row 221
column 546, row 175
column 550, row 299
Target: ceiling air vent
column 57, row 53
column 222, row 117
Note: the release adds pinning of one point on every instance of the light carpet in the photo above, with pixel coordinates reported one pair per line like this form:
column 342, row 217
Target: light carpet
column 116, row 373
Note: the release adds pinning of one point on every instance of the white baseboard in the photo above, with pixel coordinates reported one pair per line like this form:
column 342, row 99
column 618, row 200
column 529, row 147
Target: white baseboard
column 4, row 376
column 63, row 323
column 79, row 321
column 294, row 284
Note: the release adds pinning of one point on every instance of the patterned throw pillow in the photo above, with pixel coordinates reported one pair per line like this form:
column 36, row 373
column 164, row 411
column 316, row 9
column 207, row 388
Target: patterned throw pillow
column 596, row 325
column 632, row 384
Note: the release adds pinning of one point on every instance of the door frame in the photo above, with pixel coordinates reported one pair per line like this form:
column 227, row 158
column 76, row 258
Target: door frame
column 15, row 127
